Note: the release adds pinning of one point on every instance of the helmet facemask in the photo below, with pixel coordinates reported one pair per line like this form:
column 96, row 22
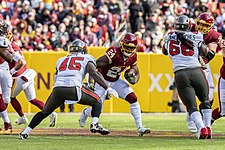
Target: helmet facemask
column 128, row 49
column 203, row 26
column 77, row 49
column 204, row 23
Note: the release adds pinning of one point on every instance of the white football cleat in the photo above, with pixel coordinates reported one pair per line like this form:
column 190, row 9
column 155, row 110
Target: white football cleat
column 98, row 128
column 53, row 119
column 23, row 136
column 143, row 130
column 21, row 120
column 83, row 118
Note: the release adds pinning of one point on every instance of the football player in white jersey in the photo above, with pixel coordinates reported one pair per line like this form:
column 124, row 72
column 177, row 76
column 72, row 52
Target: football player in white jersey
column 189, row 76
column 5, row 76
column 70, row 71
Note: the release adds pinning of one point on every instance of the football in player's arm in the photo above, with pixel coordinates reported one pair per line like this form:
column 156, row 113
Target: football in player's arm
column 132, row 75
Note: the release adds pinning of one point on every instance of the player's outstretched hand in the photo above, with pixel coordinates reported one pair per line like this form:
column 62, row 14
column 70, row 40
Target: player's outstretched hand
column 112, row 92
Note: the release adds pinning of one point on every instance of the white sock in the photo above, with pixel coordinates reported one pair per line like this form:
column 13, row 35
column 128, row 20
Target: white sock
column 197, row 118
column 95, row 120
column 27, row 130
column 5, row 116
column 207, row 115
column 88, row 112
column 136, row 113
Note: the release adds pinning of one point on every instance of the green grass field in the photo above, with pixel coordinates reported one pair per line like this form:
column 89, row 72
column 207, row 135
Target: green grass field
column 157, row 122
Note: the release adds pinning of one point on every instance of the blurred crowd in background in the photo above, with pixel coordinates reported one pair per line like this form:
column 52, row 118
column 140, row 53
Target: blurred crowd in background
column 44, row 25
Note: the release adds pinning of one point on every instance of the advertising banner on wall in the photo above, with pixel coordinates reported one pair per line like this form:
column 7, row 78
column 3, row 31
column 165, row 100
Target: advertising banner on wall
column 152, row 89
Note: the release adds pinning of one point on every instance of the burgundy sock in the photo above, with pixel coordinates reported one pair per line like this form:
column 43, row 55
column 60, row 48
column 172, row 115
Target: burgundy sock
column 216, row 114
column 17, row 107
column 2, row 104
column 38, row 103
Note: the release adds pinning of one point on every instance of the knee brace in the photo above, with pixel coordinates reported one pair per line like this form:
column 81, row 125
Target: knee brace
column 205, row 105
column 131, row 98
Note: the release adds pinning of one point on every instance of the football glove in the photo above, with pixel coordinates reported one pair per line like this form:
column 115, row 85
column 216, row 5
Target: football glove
column 111, row 92
column 89, row 86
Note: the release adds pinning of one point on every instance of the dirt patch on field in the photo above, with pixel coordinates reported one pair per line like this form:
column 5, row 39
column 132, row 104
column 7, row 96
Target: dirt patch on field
column 121, row 133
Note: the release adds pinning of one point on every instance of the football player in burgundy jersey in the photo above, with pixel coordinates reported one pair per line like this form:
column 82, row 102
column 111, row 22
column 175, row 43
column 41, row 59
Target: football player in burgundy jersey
column 70, row 71
column 212, row 38
column 220, row 111
column 116, row 60
column 5, row 76
column 189, row 77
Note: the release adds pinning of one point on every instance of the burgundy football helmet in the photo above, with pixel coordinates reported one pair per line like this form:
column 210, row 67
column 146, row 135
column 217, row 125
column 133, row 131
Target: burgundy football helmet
column 204, row 22
column 78, row 46
column 128, row 44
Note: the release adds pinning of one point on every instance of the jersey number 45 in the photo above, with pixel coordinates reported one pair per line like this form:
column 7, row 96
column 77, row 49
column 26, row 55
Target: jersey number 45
column 71, row 64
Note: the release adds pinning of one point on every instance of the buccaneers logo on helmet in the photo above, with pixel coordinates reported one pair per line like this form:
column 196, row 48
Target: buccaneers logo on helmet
column 204, row 23
column 128, row 44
